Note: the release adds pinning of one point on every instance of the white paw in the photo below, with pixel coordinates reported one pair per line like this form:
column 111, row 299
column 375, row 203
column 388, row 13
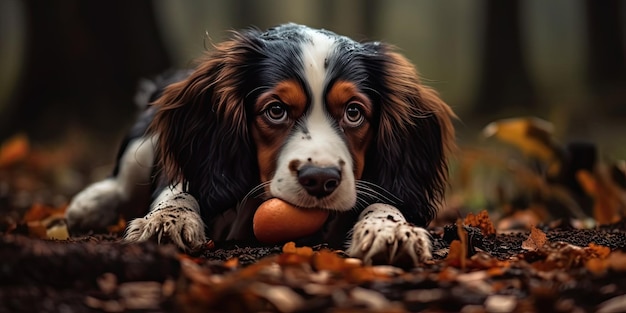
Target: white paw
column 96, row 207
column 175, row 219
column 383, row 235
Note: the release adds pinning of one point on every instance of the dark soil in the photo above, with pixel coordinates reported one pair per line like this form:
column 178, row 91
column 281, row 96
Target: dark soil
column 99, row 273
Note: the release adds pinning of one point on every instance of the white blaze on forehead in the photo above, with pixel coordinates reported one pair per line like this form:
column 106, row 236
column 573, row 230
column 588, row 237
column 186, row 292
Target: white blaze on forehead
column 315, row 53
column 317, row 141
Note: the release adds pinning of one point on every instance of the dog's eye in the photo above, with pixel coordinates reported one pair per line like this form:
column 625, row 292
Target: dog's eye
column 353, row 116
column 276, row 112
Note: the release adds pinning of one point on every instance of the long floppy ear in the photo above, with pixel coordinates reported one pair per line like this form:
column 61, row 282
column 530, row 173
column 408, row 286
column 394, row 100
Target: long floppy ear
column 202, row 128
column 414, row 137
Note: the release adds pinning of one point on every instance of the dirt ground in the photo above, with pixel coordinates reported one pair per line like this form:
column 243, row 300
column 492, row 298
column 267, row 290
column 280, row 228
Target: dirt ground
column 571, row 270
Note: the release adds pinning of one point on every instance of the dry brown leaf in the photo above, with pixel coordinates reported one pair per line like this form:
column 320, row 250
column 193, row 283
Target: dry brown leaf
column 36, row 229
column 456, row 255
column 617, row 261
column 482, row 221
column 448, row 274
column 14, row 150
column 535, row 240
column 596, row 258
column 289, row 247
column 364, row 274
column 232, row 263
column 40, row 212
column 608, row 198
column 597, row 251
column 293, row 255
column 327, row 260
column 597, row 266
column 42, row 222
column 119, row 227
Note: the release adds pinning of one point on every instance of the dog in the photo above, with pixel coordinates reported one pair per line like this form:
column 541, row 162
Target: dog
column 301, row 114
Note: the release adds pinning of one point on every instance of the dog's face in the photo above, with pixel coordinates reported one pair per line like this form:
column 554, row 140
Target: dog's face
column 308, row 116
column 311, row 127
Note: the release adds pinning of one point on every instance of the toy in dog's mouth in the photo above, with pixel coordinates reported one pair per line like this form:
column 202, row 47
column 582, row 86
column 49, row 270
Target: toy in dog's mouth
column 277, row 221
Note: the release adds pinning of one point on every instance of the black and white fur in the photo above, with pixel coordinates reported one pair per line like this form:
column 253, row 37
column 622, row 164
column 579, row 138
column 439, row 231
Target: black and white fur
column 259, row 118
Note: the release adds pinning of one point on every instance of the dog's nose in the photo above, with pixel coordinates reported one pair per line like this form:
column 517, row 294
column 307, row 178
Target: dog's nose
column 319, row 181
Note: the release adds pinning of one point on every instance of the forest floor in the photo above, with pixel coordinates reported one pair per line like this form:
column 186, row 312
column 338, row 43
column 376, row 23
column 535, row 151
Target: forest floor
column 522, row 260
column 558, row 269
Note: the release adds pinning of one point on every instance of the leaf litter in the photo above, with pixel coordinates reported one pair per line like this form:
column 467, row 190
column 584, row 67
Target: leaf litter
column 535, row 261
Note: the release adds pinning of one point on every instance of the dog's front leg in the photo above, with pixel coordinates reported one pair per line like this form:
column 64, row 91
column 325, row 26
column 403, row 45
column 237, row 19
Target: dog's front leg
column 382, row 234
column 174, row 216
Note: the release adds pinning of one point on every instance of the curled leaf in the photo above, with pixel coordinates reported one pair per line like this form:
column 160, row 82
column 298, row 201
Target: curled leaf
column 535, row 240
column 482, row 221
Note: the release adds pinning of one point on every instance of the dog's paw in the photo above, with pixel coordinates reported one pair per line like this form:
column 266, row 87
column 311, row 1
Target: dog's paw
column 382, row 235
column 175, row 220
column 94, row 208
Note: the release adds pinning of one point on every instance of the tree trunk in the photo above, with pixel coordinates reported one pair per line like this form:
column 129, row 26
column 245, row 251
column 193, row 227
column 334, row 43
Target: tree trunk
column 83, row 61
column 504, row 80
column 606, row 58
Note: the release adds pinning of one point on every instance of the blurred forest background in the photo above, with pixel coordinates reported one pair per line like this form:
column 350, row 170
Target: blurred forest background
column 69, row 69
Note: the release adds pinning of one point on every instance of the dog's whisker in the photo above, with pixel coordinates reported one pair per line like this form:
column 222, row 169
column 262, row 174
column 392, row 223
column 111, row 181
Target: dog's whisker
column 377, row 193
column 360, row 204
column 257, row 191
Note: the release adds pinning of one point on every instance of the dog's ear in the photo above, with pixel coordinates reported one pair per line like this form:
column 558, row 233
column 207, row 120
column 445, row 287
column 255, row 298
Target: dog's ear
column 201, row 126
column 414, row 137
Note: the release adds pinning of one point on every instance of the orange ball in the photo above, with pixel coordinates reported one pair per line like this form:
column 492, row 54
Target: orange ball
column 277, row 221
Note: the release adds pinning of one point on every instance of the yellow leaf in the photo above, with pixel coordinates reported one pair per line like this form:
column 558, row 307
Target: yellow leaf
column 533, row 136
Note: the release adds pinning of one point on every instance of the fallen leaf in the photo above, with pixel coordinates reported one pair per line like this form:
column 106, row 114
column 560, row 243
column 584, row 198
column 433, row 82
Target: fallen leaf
column 464, row 243
column 327, row 260
column 617, row 261
column 119, row 227
column 597, row 251
column 365, row 274
column 232, row 263
column 39, row 212
column 481, row 221
column 289, row 247
column 456, row 255
column 609, row 198
column 293, row 255
column 535, row 240
column 14, row 150
column 37, row 230
column 533, row 136
column 597, row 266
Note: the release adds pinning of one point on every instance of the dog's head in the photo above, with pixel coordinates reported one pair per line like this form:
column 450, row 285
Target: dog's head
column 307, row 116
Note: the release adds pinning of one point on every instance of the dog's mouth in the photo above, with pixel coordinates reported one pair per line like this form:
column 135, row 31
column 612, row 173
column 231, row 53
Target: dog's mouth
column 316, row 188
column 332, row 202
